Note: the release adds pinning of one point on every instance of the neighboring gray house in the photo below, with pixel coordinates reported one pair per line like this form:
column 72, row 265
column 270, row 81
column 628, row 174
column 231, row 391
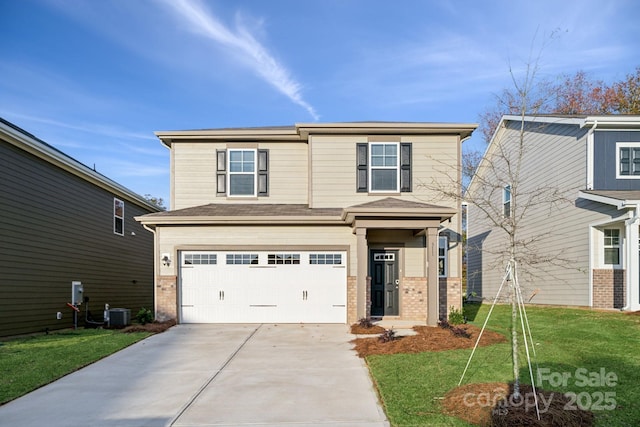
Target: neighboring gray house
column 64, row 222
column 594, row 164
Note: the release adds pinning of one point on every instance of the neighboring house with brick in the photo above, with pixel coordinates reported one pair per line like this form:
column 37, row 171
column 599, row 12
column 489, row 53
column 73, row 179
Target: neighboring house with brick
column 594, row 164
column 65, row 222
column 317, row 223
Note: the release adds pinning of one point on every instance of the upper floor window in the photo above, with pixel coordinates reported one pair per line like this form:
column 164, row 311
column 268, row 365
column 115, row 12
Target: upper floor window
column 118, row 216
column 611, row 246
column 384, row 173
column 383, row 167
column 506, row 201
column 628, row 160
column 242, row 172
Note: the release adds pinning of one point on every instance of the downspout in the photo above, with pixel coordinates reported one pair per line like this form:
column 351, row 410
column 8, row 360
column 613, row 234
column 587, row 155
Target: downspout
column 590, row 156
column 632, row 276
column 155, row 264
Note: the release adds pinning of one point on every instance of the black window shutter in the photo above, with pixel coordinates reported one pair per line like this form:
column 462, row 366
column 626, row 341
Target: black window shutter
column 362, row 157
column 263, row 172
column 221, row 172
column 405, row 167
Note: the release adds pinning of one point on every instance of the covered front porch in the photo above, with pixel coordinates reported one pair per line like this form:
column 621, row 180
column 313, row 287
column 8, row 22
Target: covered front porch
column 402, row 269
column 615, row 252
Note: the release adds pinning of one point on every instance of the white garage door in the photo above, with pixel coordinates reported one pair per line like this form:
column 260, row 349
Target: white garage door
column 263, row 287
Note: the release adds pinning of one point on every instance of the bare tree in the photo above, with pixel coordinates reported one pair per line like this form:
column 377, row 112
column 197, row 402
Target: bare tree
column 503, row 194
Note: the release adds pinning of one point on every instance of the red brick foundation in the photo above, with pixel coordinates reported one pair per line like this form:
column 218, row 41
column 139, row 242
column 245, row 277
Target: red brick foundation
column 609, row 288
column 166, row 298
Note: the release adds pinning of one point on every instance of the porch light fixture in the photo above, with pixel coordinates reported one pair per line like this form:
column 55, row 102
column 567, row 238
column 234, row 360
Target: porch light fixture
column 166, row 261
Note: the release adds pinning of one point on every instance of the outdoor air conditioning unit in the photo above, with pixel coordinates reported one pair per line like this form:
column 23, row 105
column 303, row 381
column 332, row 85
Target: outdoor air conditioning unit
column 119, row 317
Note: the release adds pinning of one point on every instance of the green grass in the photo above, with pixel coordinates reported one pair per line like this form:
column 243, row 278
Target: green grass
column 411, row 385
column 27, row 363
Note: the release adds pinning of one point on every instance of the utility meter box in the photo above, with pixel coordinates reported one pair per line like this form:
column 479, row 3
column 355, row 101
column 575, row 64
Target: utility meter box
column 76, row 293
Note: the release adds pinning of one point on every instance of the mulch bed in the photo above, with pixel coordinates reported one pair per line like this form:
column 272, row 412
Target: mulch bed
column 154, row 327
column 356, row 329
column 487, row 404
column 428, row 338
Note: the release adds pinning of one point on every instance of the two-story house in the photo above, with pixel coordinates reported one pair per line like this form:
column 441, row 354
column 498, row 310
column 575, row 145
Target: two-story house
column 577, row 210
column 63, row 222
column 317, row 223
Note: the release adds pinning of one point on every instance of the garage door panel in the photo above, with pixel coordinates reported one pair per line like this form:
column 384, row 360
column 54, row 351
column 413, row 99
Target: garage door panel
column 261, row 292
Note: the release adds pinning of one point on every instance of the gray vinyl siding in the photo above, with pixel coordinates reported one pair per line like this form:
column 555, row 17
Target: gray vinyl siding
column 57, row 228
column 605, row 167
column 555, row 157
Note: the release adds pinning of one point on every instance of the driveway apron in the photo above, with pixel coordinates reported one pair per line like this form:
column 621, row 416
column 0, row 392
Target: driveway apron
column 214, row 375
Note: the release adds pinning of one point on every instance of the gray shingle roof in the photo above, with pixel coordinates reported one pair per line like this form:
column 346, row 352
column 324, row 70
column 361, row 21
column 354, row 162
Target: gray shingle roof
column 250, row 209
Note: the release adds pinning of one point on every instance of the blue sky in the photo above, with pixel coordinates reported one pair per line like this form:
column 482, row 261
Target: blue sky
column 97, row 78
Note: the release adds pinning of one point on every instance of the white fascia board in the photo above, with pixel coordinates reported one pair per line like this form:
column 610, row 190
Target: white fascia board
column 611, row 120
column 544, row 119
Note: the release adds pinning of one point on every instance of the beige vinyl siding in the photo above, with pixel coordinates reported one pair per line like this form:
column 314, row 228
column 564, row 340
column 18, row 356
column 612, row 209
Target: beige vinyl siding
column 57, row 228
column 333, row 173
column 555, row 158
column 194, row 173
column 229, row 237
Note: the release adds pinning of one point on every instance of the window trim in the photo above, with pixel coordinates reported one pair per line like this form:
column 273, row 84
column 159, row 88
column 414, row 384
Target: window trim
column 443, row 243
column 507, row 201
column 117, row 217
column 371, row 167
column 619, row 146
column 254, row 173
column 618, row 246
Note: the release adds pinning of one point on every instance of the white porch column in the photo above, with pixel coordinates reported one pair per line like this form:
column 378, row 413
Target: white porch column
column 433, row 284
column 633, row 264
column 361, row 274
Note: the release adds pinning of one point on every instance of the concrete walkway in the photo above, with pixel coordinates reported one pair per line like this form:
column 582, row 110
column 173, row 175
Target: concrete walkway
column 214, row 375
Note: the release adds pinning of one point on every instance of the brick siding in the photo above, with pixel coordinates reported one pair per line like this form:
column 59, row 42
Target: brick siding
column 450, row 295
column 608, row 288
column 413, row 295
column 352, row 300
column 166, row 302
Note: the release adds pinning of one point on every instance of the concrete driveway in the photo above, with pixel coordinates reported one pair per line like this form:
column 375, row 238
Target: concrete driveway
column 214, row 375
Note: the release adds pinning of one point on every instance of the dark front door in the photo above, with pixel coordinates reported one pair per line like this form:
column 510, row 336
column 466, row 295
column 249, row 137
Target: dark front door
column 384, row 283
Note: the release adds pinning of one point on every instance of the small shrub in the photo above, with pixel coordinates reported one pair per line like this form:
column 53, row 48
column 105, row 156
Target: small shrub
column 365, row 323
column 456, row 317
column 457, row 331
column 387, row 336
column 144, row 316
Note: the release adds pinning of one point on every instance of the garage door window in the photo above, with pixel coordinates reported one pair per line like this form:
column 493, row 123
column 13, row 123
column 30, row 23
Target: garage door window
column 190, row 259
column 325, row 259
column 283, row 259
column 242, row 258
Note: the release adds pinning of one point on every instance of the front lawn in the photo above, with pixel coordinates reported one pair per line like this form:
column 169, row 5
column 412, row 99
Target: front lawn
column 30, row 362
column 578, row 351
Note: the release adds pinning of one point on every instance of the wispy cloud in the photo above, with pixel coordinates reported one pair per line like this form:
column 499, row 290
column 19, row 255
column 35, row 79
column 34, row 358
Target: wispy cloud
column 254, row 53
